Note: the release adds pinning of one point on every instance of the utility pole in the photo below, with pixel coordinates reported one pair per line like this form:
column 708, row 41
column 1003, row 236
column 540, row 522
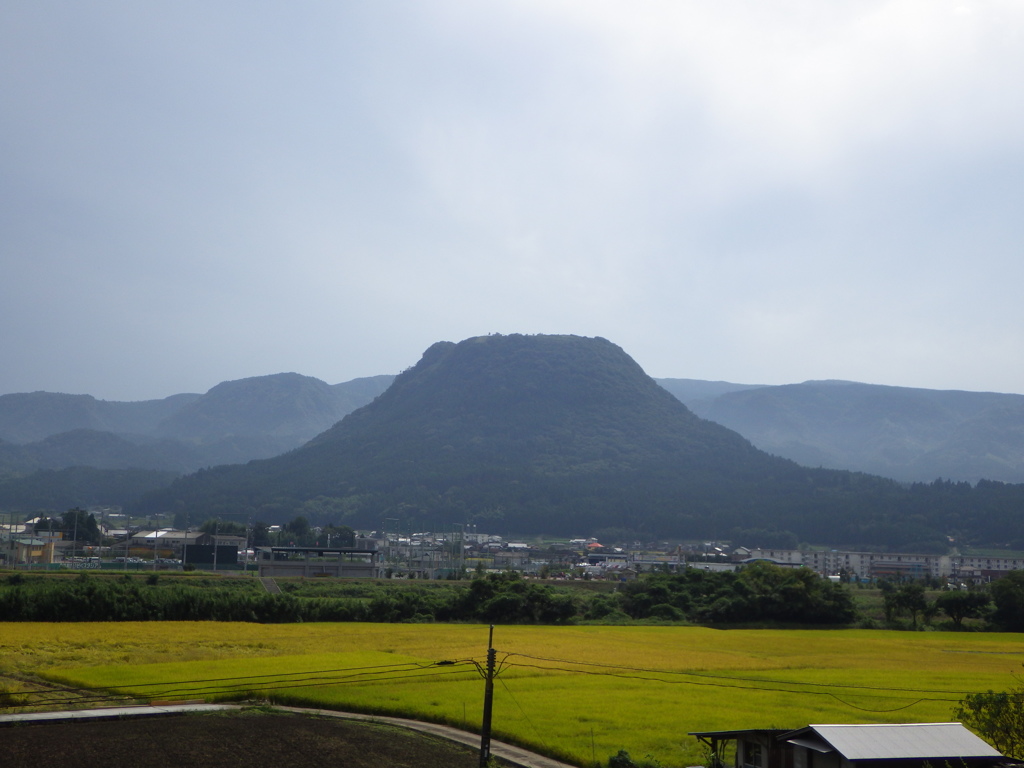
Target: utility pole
column 462, row 552
column 216, row 531
column 485, row 731
column 184, row 544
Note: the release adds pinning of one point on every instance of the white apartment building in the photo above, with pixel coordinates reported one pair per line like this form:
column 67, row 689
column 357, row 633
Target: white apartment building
column 875, row 565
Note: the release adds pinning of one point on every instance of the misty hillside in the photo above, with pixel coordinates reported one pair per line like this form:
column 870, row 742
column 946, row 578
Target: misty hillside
column 690, row 391
column 57, row 490
column 102, row 450
column 899, row 432
column 32, row 416
column 234, row 422
column 284, row 405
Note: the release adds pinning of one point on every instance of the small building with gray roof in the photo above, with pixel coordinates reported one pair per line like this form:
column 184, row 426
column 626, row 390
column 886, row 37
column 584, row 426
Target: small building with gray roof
column 903, row 745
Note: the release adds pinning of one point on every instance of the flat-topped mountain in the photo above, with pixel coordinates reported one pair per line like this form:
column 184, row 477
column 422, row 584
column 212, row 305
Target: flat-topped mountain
column 551, row 434
column 543, row 405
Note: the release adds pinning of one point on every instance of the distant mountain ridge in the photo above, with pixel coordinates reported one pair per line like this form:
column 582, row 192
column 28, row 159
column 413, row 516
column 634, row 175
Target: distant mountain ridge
column 691, row 391
column 234, row 422
column 284, row 405
column 32, row 416
column 908, row 434
column 912, row 435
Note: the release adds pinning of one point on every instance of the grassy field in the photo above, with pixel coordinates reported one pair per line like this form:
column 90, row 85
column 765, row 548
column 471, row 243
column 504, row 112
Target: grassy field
column 579, row 692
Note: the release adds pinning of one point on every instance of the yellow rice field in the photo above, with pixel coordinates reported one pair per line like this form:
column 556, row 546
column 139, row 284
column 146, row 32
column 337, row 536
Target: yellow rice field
column 581, row 693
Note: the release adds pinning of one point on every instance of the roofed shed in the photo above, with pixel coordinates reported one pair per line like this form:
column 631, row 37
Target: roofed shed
column 909, row 745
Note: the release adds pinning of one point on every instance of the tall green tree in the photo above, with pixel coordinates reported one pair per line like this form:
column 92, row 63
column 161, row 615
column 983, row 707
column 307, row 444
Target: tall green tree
column 261, row 534
column 81, row 526
column 340, row 536
column 223, row 527
column 1008, row 596
column 299, row 528
column 960, row 604
column 906, row 600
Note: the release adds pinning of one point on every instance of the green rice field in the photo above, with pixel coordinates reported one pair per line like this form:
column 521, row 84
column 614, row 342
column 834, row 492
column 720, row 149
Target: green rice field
column 580, row 693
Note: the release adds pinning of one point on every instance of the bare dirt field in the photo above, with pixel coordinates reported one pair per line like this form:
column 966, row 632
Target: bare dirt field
column 251, row 740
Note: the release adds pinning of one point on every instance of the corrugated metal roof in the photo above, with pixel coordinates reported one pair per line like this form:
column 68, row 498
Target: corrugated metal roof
column 920, row 740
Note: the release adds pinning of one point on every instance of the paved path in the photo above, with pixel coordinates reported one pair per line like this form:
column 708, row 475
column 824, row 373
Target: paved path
column 514, row 755
column 111, row 712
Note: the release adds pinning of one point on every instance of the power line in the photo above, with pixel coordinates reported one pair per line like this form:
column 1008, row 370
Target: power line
column 408, row 671
column 408, row 664
column 292, row 685
column 270, row 682
column 315, row 679
column 523, row 711
column 734, row 678
column 725, row 685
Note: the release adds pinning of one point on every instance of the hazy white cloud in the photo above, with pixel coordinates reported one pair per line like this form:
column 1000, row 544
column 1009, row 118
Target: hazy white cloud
column 194, row 192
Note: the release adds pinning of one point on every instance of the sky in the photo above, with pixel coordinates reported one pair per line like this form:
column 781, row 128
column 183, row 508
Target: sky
column 763, row 193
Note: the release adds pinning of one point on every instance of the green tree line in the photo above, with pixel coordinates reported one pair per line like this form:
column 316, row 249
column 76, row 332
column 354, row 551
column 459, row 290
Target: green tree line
column 761, row 594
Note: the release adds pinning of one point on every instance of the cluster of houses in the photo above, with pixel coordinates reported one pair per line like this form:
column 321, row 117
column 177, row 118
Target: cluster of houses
column 439, row 555
column 26, row 545
column 433, row 556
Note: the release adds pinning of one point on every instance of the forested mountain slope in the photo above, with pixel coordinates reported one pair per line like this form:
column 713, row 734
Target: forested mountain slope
column 562, row 434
